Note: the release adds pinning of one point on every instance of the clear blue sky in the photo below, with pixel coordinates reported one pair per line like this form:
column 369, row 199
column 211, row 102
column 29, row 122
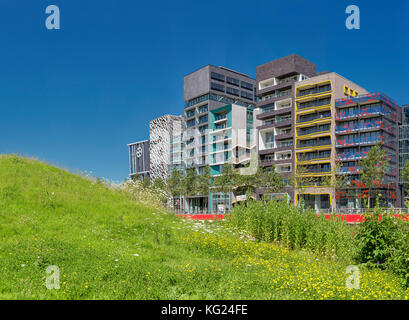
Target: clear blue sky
column 75, row 97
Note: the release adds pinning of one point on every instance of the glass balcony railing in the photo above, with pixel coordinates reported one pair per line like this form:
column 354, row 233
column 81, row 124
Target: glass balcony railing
column 314, row 104
column 278, row 120
column 284, row 144
column 350, row 170
column 313, row 143
column 363, row 112
column 314, row 117
column 276, row 95
column 313, row 130
column 314, row 170
column 269, row 145
column 269, row 109
column 314, row 156
column 357, row 127
column 356, row 141
column 220, row 117
column 314, row 90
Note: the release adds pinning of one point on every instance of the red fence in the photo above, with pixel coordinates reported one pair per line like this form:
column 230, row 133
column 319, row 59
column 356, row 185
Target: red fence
column 349, row 218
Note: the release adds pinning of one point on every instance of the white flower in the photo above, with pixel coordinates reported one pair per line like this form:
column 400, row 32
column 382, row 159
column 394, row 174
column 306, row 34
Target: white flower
column 23, row 265
column 116, row 260
column 136, row 255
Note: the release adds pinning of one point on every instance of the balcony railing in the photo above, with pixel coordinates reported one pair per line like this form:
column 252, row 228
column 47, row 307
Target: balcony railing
column 285, row 144
column 363, row 112
column 350, row 170
column 276, row 95
column 269, row 145
column 221, row 117
column 313, row 130
column 314, row 104
column 359, row 127
column 356, row 142
column 314, row 156
column 314, row 117
column 307, row 171
column 314, row 143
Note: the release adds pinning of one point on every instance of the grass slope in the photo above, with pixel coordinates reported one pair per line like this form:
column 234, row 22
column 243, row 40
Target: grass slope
column 109, row 247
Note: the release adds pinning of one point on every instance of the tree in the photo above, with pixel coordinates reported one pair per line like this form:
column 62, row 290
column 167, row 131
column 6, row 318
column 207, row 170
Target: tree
column 405, row 174
column 174, row 183
column 204, row 182
column 189, row 184
column 226, row 181
column 373, row 169
column 270, row 180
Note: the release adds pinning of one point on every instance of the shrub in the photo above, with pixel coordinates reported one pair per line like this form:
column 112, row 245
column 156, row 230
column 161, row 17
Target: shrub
column 285, row 223
column 377, row 236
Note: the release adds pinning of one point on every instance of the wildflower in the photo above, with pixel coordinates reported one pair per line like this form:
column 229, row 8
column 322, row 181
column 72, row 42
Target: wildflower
column 23, row 265
column 136, row 255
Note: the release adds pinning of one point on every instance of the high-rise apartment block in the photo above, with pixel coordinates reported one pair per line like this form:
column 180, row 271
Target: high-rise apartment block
column 311, row 127
column 275, row 92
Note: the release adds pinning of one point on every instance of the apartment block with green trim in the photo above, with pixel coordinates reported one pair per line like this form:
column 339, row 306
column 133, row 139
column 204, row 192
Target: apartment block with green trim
column 231, row 140
column 206, row 91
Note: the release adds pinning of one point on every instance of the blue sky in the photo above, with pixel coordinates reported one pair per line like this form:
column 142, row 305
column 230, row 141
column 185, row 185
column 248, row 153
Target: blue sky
column 76, row 96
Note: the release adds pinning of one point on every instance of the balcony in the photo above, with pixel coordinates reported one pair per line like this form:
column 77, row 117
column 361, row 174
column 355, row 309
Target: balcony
column 314, row 117
column 220, row 117
column 366, row 126
column 277, row 94
column 356, row 142
column 362, row 112
column 349, row 170
column 313, row 130
column 316, row 170
column 358, row 127
column 313, row 90
column 311, row 156
column 313, row 143
column 314, row 104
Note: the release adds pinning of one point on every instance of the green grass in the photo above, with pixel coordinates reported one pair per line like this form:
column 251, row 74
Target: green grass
column 108, row 246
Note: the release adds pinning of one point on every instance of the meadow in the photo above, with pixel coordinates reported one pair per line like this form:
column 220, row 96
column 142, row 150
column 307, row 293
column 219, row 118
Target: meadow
column 109, row 243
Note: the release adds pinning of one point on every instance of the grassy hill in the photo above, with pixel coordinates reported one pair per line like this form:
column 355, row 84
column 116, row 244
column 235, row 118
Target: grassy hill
column 107, row 246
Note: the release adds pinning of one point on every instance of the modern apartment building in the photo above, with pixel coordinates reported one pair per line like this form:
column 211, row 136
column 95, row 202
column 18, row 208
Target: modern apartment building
column 314, row 121
column 275, row 91
column 300, row 122
column 361, row 122
column 232, row 139
column 219, row 108
column 403, row 151
column 165, row 147
column 207, row 89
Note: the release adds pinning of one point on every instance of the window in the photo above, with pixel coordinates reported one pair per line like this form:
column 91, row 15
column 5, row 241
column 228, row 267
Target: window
column 247, row 85
column 203, row 119
column 232, row 91
column 217, row 76
column 216, row 86
column 203, row 109
column 233, row 81
column 190, row 113
column 202, row 129
column 190, row 123
column 246, row 95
